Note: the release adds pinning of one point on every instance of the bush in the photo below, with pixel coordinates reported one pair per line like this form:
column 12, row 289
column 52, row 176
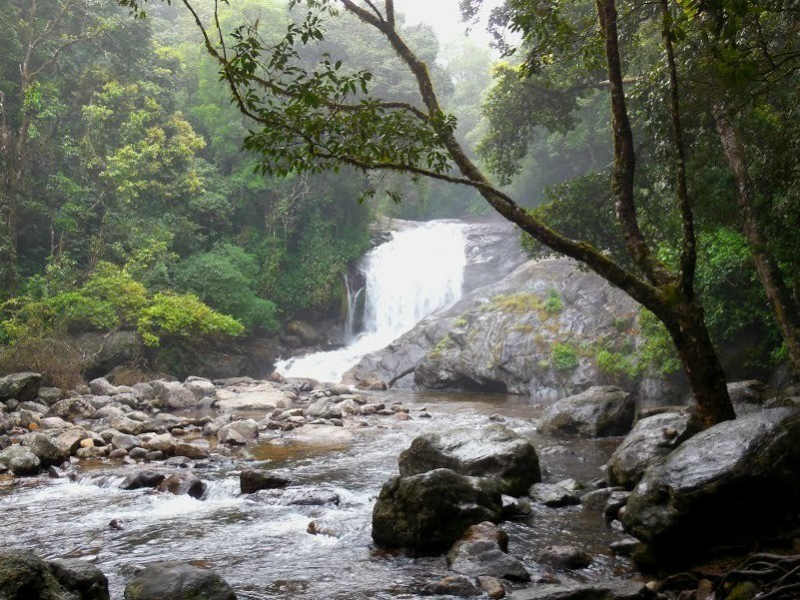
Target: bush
column 183, row 316
column 68, row 312
column 58, row 362
column 553, row 304
column 115, row 286
column 563, row 357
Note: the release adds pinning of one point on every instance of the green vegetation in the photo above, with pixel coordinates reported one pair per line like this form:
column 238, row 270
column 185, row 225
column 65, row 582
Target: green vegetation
column 563, row 357
column 553, row 303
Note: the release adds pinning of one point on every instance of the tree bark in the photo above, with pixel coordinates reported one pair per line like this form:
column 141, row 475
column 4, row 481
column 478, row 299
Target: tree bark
column 786, row 310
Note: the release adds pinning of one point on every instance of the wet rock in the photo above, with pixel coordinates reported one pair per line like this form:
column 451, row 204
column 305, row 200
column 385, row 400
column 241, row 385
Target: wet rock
column 142, row 479
column 453, row 585
column 173, row 395
column 175, row 580
column 600, row 411
column 597, row 499
column 183, row 483
column 305, row 497
column 733, row 482
column 555, row 495
column 261, row 395
column 747, row 396
column 162, row 442
column 69, row 441
column 483, row 550
column 598, row 590
column 650, row 439
column 81, row 578
column 24, row 576
column 20, row 460
column 324, row 408
column 624, row 547
column 45, row 449
column 565, row 557
column 515, row 507
column 495, row 451
column 251, row 481
column 124, row 441
column 193, row 449
column 614, row 505
column 492, row 586
column 21, row 386
column 144, row 454
column 426, row 513
column 238, row 432
column 201, row 388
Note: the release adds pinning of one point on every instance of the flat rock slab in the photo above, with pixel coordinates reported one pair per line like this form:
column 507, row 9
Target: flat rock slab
column 260, row 397
column 321, row 435
column 612, row 590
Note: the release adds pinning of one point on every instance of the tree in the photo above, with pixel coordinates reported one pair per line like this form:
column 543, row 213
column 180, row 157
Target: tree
column 312, row 119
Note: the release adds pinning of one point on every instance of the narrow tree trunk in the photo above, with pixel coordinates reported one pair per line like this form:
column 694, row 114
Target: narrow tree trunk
column 786, row 310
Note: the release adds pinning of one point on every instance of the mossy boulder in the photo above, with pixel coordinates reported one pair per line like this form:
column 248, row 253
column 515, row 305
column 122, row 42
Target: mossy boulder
column 177, row 580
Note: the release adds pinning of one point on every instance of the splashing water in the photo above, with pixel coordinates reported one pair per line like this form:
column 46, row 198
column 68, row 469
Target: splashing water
column 419, row 271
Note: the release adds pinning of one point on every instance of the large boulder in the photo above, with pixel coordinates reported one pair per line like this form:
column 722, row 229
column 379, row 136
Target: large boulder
column 22, row 386
column 251, row 481
column 426, row 513
column 20, row 460
column 175, row 580
column 596, row 590
column 81, row 577
column 731, row 483
column 650, row 439
column 43, row 446
column 600, row 411
column 495, row 451
column 173, row 395
column 24, row 576
column 183, row 483
column 238, row 432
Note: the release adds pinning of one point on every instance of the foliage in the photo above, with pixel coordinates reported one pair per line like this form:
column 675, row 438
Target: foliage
column 59, row 362
column 183, row 316
column 563, row 357
column 553, row 303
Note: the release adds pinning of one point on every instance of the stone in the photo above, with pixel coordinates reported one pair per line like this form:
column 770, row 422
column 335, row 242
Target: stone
column 555, row 495
column 200, row 387
column 597, row 499
column 650, row 439
column 731, row 483
column 175, row 580
column 102, row 387
column 142, row 479
column 20, row 460
column 565, row 557
column 163, row 442
column 72, row 408
column 597, row 590
column 45, row 449
column 483, row 550
column 324, row 408
column 50, row 395
column 125, row 441
column 624, row 547
column 494, row 450
column 194, row 449
column 54, row 423
column 238, row 432
column 426, row 513
column 69, row 441
column 600, row 411
column 173, row 395
column 453, row 585
column 616, row 501
column 251, row 481
column 492, row 586
column 20, row 386
column 183, row 483
column 80, row 577
column 24, row 576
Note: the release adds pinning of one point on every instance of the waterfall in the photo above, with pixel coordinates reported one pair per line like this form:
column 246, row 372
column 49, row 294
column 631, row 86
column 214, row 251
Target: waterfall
column 352, row 306
column 418, row 271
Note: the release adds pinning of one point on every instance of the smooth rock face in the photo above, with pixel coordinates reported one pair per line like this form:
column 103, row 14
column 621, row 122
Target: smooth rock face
column 650, row 439
column 22, row 386
column 600, row 411
column 493, row 451
column 175, row 580
column 737, row 480
column 426, row 513
column 483, row 550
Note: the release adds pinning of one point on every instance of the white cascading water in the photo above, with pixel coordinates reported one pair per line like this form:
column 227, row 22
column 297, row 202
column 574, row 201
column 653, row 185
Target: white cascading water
column 417, row 272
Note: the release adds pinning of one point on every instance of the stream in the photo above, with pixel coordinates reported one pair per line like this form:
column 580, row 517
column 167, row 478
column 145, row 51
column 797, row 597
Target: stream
column 261, row 547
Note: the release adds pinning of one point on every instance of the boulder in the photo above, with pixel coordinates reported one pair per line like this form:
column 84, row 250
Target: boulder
column 21, row 386
column 600, row 411
column 20, row 460
column 251, row 481
column 24, row 576
column 494, row 451
column 483, row 550
column 50, row 395
column 453, row 585
column 555, row 495
column 48, row 452
column 72, row 408
column 81, row 577
column 596, row 590
column 142, row 479
column 650, row 439
column 734, row 482
column 324, row 408
column 175, row 580
column 102, row 387
column 565, row 557
column 173, row 395
column 238, row 432
column 194, row 449
column 69, row 441
column 125, row 441
column 183, row 483
column 426, row 513
column 200, row 387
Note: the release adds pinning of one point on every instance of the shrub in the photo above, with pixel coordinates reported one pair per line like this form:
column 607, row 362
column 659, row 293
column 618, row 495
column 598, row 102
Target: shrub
column 58, row 362
column 111, row 284
column 563, row 357
column 183, row 316
column 553, row 304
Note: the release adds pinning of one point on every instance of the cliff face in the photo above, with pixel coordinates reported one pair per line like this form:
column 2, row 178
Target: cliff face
column 538, row 331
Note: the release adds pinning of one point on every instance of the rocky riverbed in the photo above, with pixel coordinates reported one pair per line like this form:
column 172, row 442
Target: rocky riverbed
column 283, row 489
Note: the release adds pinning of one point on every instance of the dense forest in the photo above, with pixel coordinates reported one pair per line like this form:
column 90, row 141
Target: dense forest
column 129, row 202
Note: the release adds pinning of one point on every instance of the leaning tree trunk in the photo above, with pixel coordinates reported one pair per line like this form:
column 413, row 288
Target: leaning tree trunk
column 786, row 310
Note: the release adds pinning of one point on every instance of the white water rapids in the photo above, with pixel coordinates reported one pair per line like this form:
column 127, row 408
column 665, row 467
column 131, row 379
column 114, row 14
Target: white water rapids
column 420, row 270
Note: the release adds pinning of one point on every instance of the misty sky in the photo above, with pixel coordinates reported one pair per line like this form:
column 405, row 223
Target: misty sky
column 442, row 15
